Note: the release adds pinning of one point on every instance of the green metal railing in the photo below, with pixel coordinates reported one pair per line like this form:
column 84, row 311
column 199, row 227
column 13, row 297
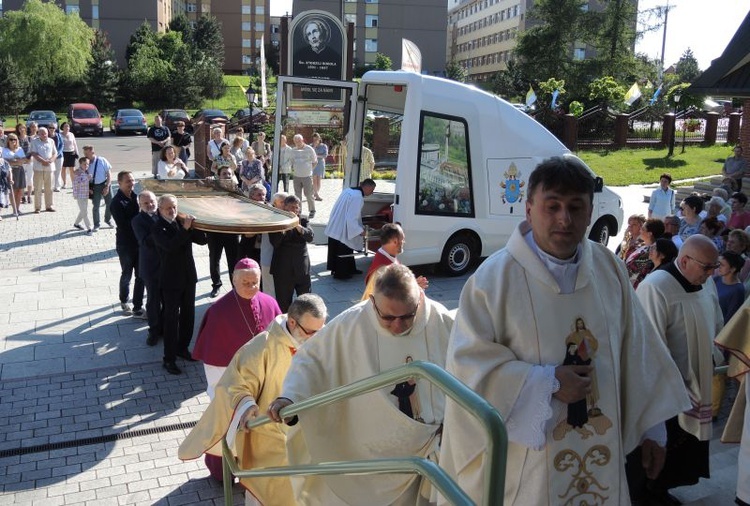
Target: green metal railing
column 488, row 417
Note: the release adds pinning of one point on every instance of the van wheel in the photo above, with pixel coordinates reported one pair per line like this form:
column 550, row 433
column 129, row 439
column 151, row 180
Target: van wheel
column 600, row 232
column 459, row 254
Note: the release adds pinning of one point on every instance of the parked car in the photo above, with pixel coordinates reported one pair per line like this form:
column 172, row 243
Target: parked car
column 128, row 120
column 172, row 116
column 41, row 118
column 209, row 116
column 85, row 119
column 241, row 118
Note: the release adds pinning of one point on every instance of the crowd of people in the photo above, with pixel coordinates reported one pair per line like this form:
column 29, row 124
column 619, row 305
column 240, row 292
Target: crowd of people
column 560, row 335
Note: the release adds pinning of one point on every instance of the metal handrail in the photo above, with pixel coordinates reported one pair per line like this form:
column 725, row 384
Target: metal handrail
column 483, row 411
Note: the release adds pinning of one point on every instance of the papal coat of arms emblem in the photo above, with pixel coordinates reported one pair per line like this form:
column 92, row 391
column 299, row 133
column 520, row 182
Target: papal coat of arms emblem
column 512, row 185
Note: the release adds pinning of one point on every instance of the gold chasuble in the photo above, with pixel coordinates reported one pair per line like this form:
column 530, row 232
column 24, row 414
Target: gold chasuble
column 351, row 347
column 512, row 316
column 255, row 373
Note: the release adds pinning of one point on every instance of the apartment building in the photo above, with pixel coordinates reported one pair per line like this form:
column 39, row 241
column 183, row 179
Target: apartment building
column 244, row 22
column 483, row 33
column 379, row 26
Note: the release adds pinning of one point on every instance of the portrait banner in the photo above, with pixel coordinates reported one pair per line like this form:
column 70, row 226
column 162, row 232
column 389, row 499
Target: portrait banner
column 317, row 49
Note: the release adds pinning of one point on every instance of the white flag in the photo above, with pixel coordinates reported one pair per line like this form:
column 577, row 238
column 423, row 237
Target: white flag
column 411, row 57
column 263, row 91
column 633, row 94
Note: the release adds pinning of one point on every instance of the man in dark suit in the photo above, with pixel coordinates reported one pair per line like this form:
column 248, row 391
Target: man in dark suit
column 148, row 262
column 174, row 237
column 290, row 265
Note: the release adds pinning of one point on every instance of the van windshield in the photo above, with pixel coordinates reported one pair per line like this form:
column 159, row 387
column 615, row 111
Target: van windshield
column 85, row 113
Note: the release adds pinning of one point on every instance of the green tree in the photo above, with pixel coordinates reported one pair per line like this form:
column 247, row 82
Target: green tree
column 606, row 92
column 614, row 34
column 511, row 83
column 383, row 62
column 546, row 49
column 143, row 35
column 181, row 23
column 454, row 71
column 17, row 90
column 687, row 67
column 45, row 43
column 102, row 77
column 208, row 38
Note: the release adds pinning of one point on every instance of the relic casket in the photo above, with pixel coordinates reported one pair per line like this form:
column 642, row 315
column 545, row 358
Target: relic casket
column 220, row 209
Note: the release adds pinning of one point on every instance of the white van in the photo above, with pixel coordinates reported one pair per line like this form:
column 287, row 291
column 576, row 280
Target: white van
column 461, row 156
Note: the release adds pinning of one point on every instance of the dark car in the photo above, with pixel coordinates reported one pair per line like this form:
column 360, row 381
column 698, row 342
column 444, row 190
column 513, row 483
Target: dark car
column 241, row 118
column 209, row 116
column 128, row 120
column 172, row 116
column 42, row 118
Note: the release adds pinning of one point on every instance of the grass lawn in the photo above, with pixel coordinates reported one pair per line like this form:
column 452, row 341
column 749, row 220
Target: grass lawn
column 642, row 166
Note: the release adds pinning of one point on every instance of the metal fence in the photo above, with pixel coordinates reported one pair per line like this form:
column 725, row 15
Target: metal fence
column 645, row 125
column 488, row 417
column 596, row 128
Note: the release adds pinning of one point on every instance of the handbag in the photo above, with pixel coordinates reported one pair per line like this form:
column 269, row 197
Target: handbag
column 93, row 178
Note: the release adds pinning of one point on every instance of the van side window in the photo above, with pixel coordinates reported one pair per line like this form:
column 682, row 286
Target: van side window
column 444, row 174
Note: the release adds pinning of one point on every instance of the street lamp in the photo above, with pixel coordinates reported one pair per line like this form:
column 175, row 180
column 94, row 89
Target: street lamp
column 252, row 97
column 676, row 97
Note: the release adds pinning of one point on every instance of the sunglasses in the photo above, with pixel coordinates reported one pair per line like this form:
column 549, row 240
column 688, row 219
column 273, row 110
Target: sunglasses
column 392, row 318
column 706, row 267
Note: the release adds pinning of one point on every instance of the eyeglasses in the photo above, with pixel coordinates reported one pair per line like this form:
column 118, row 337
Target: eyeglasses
column 392, row 318
column 706, row 267
column 303, row 329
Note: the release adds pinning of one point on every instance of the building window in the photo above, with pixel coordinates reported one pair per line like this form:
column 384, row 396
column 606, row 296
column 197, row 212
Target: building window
column 94, row 12
column 70, row 9
column 246, row 43
column 192, row 8
column 579, row 53
column 444, row 180
column 257, row 43
column 260, row 27
column 367, row 1
column 247, row 26
column 371, row 21
column 247, row 59
column 371, row 45
column 245, row 9
column 260, row 10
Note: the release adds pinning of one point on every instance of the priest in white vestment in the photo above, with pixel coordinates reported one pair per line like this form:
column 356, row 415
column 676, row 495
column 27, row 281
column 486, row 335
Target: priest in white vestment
column 682, row 303
column 398, row 324
column 249, row 384
column 548, row 330
column 345, row 230
column 735, row 338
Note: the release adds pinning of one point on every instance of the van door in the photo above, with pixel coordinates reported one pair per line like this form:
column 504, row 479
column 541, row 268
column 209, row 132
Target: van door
column 304, row 106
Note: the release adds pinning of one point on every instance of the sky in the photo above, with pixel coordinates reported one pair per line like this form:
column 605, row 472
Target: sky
column 704, row 26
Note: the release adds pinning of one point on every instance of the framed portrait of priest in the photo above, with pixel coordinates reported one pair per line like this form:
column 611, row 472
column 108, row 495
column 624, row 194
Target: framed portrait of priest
column 318, row 48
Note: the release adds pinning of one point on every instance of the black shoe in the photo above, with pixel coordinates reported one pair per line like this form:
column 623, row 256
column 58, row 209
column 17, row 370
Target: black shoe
column 357, row 271
column 151, row 340
column 185, row 354
column 311, row 215
column 171, row 367
column 215, row 291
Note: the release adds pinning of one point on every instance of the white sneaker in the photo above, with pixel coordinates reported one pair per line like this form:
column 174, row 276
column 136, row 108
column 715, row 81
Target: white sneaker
column 127, row 309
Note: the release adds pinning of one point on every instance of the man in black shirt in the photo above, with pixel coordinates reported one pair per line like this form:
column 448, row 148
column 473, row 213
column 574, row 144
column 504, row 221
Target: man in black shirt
column 182, row 140
column 159, row 136
column 124, row 208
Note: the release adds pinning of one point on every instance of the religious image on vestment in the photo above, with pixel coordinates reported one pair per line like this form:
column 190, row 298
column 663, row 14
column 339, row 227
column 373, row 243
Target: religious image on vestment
column 584, row 416
column 408, row 399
